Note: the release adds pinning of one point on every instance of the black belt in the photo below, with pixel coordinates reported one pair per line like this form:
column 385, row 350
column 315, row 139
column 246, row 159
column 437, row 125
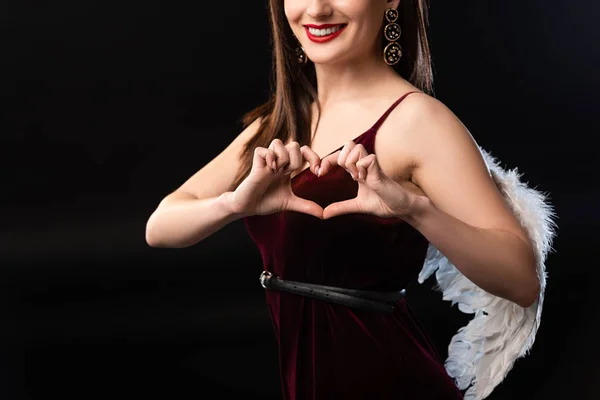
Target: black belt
column 362, row 299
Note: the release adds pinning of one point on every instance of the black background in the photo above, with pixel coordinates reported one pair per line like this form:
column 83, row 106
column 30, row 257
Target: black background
column 108, row 106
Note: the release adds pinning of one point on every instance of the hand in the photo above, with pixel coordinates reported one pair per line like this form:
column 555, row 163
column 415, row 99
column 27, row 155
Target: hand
column 267, row 189
column 377, row 195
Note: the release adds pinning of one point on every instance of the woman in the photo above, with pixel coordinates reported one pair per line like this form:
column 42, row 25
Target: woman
column 342, row 229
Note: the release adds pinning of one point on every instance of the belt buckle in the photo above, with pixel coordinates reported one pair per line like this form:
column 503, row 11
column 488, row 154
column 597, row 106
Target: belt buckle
column 264, row 276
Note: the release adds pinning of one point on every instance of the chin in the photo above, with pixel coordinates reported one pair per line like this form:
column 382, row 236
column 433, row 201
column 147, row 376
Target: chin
column 327, row 60
column 328, row 57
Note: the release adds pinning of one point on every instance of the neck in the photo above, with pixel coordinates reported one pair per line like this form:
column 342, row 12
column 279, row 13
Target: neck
column 349, row 80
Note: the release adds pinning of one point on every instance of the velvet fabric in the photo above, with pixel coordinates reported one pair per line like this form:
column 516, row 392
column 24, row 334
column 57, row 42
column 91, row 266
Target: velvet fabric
column 329, row 351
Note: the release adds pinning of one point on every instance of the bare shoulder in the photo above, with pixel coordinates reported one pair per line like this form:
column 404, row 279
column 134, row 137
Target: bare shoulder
column 448, row 166
column 424, row 117
column 402, row 139
column 421, row 127
column 217, row 176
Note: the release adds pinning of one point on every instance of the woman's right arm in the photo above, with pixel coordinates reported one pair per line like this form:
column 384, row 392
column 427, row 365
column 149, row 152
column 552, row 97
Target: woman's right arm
column 200, row 206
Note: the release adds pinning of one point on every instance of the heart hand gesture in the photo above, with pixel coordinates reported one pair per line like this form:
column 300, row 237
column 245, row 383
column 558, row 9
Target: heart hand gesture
column 377, row 195
column 267, row 189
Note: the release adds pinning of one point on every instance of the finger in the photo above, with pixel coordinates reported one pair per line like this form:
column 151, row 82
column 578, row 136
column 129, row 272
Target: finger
column 341, row 208
column 357, row 153
column 259, row 159
column 282, row 156
column 305, row 206
column 271, row 159
column 368, row 166
column 295, row 156
column 362, row 172
column 328, row 162
column 263, row 157
column 337, row 158
column 345, row 152
column 313, row 158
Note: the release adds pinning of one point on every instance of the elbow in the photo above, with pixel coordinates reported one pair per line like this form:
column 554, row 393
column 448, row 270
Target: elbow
column 529, row 293
column 530, row 287
column 157, row 237
column 152, row 239
column 153, row 227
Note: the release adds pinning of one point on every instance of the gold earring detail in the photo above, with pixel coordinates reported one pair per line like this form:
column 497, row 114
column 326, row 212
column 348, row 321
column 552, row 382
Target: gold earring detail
column 392, row 52
column 301, row 56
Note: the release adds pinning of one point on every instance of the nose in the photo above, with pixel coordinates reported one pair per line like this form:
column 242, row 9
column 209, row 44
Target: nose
column 319, row 9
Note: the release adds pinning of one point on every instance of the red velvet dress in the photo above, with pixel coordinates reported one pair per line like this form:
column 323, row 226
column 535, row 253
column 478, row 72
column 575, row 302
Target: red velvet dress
column 329, row 351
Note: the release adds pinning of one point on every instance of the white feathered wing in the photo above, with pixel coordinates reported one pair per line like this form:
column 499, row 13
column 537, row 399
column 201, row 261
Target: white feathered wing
column 482, row 353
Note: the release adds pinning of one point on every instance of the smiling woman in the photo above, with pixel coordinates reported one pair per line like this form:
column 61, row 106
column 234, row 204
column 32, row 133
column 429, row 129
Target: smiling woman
column 324, row 33
column 341, row 235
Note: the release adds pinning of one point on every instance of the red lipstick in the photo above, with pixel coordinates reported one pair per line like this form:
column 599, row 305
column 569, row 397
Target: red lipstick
column 326, row 38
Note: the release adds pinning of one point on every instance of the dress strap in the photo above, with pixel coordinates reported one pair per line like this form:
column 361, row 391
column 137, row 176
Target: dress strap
column 389, row 110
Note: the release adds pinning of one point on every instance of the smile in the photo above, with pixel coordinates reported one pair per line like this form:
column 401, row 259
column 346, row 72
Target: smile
column 323, row 33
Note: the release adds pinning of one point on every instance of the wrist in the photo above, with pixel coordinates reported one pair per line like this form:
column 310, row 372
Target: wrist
column 418, row 208
column 228, row 204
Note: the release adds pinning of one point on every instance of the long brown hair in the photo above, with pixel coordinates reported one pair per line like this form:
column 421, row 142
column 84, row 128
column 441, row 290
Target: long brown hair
column 288, row 112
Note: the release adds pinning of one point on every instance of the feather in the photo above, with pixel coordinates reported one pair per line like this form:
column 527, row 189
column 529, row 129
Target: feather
column 482, row 353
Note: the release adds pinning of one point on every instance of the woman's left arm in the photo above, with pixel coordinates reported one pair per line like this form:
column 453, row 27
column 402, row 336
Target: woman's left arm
column 463, row 214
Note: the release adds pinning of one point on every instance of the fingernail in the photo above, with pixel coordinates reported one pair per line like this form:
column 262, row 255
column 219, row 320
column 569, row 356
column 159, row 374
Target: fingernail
column 274, row 165
column 318, row 171
column 353, row 177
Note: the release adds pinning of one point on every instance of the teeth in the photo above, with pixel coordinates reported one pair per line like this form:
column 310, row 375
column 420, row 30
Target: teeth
column 324, row 32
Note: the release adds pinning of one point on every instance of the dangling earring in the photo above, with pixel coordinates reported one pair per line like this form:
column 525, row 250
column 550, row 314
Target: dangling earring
column 392, row 52
column 301, row 56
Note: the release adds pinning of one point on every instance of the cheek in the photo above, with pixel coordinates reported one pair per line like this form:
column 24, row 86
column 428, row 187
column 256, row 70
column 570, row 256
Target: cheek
column 366, row 15
column 374, row 25
column 293, row 10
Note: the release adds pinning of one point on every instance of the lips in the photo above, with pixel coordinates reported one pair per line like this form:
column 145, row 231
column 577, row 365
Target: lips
column 324, row 33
